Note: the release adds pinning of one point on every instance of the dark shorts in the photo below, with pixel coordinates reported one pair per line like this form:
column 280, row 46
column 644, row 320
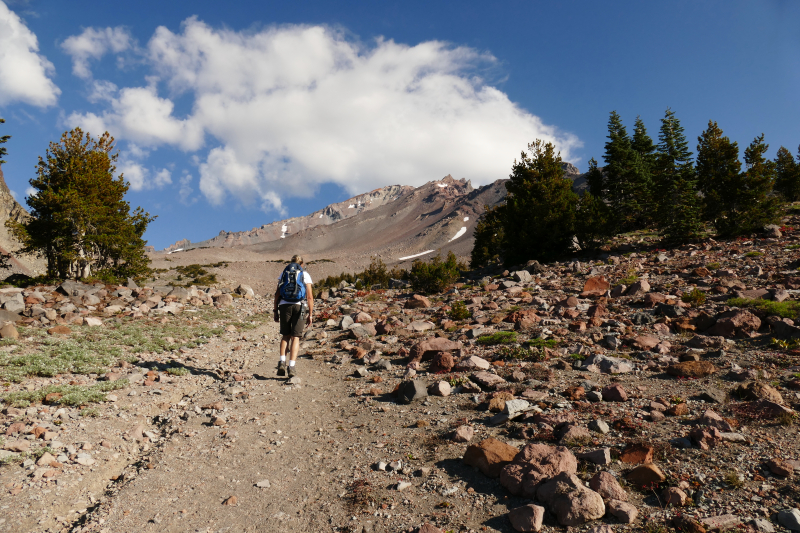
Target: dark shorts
column 293, row 319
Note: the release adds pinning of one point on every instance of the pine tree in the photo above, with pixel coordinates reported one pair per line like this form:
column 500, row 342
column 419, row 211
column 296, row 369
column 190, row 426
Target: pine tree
column 718, row 177
column 756, row 205
column 79, row 221
column 641, row 175
column 675, row 184
column 787, row 175
column 539, row 214
column 3, row 139
column 596, row 180
column 617, row 159
column 593, row 222
column 489, row 237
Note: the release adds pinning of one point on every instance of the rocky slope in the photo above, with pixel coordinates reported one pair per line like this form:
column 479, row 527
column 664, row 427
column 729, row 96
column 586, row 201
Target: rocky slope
column 10, row 209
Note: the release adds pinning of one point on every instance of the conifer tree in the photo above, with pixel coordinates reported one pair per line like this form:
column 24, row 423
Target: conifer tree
column 489, row 237
column 79, row 221
column 787, row 175
column 718, row 176
column 641, row 176
column 617, row 159
column 539, row 214
column 595, row 180
column 3, row 139
column 593, row 221
column 678, row 214
column 756, row 206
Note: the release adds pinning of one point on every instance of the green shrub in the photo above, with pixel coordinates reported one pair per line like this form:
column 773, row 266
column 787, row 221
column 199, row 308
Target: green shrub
column 71, row 394
column 435, row 275
column 786, row 309
column 713, row 266
column 501, row 337
column 753, row 254
column 696, row 297
column 459, row 311
column 375, row 274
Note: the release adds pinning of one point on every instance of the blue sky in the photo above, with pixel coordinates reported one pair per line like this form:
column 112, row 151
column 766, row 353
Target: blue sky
column 232, row 115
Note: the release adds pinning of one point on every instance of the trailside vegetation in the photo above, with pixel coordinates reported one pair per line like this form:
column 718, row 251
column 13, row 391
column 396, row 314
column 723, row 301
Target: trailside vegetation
column 80, row 222
column 436, row 275
column 376, row 275
column 643, row 185
column 3, row 139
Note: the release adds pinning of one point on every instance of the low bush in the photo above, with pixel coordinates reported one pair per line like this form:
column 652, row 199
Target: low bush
column 501, row 337
column 695, row 297
column 785, row 309
column 459, row 311
column 375, row 274
column 70, row 394
column 435, row 275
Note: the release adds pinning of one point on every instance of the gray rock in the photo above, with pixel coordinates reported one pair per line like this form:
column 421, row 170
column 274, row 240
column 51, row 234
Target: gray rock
column 759, row 524
column 361, row 371
column 412, row 390
column 599, row 426
column 594, row 396
column 263, row 484
column 642, row 319
column 522, row 276
column 346, row 322
column 790, row 519
column 383, row 364
column 713, row 395
column 516, row 406
column 598, row 457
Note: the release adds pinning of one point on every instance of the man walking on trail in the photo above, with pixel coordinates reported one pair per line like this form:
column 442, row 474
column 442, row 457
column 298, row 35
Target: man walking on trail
column 294, row 307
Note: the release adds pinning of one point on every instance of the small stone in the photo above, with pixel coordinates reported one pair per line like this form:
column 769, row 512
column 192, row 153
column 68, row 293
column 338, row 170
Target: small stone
column 463, row 434
column 674, row 496
column 263, row 484
column 9, row 331
column 614, row 393
column 622, row 511
column 598, row 457
column 599, row 426
column 644, row 475
column 232, row 500
column 59, row 330
column 403, row 485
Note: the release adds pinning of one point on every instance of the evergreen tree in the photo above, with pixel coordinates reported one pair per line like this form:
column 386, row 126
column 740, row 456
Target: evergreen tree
column 593, row 222
column 539, row 214
column 617, row 159
column 595, row 180
column 756, row 205
column 675, row 184
column 787, row 175
column 641, row 175
column 718, row 177
column 3, row 139
column 489, row 237
column 79, row 221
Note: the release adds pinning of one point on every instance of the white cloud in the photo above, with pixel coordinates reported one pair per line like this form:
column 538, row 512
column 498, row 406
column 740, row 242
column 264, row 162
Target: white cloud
column 93, row 44
column 23, row 72
column 185, row 191
column 139, row 176
column 291, row 107
column 30, row 191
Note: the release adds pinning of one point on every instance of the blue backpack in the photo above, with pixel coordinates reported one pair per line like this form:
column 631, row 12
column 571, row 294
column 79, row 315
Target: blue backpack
column 293, row 287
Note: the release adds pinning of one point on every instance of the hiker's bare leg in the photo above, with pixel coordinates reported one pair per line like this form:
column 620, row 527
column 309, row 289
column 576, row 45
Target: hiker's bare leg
column 295, row 348
column 284, row 343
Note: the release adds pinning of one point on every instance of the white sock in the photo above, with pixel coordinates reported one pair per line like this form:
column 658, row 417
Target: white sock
column 291, row 363
column 283, row 359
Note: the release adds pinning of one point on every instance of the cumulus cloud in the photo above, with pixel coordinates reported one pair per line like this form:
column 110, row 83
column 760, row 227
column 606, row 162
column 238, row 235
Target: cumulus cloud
column 285, row 109
column 23, row 71
column 94, row 43
column 137, row 174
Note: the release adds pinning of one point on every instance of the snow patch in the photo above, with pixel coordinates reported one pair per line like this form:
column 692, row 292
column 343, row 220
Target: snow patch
column 351, row 206
column 466, row 219
column 320, row 216
column 413, row 256
column 442, row 185
column 284, row 229
column 460, row 232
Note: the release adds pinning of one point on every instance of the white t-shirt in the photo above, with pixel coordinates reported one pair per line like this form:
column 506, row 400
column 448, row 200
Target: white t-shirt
column 306, row 281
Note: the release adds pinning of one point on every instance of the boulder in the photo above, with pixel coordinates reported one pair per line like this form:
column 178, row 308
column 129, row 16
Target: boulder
column 427, row 348
column 637, row 453
column 614, row 393
column 417, row 301
column 442, row 362
column 674, row 496
column 534, row 464
column 644, row 475
column 736, row 322
column 409, row 391
column 607, row 486
column 595, row 286
column 638, row 288
column 622, row 511
column 463, row 434
column 691, row 369
column 490, row 456
column 487, row 380
column 526, row 518
column 571, row 502
column 9, row 331
column 440, row 388
column 755, row 390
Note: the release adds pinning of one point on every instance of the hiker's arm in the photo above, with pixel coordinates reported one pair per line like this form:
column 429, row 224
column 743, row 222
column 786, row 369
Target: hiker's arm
column 277, row 298
column 310, row 300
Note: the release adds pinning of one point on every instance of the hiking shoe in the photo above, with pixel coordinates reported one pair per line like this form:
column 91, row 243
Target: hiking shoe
column 292, row 372
column 282, row 368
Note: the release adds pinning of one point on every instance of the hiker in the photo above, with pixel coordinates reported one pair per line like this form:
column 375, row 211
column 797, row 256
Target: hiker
column 294, row 307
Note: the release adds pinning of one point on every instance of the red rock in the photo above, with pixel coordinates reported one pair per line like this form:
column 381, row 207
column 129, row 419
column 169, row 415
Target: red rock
column 577, row 326
column 428, row 528
column 638, row 288
column 705, row 437
column 53, row 398
column 595, row 286
column 571, row 502
column 735, row 322
column 680, row 409
column 597, row 311
column 417, row 302
column 646, row 342
column 535, row 463
column 756, row 390
column 622, row 511
column 674, row 496
column 490, row 456
column 574, row 393
column 463, row 434
column 429, row 347
column 691, row 369
column 38, row 431
column 230, row 501
column 527, row 518
column 636, row 453
column 13, row 429
column 614, row 393
column 780, row 468
column 608, row 487
column 645, row 475
column 652, row 299
column 687, row 524
column 442, row 362
column 59, row 330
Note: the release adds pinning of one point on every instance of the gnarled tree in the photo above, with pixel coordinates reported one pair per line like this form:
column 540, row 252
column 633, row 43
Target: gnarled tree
column 80, row 222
